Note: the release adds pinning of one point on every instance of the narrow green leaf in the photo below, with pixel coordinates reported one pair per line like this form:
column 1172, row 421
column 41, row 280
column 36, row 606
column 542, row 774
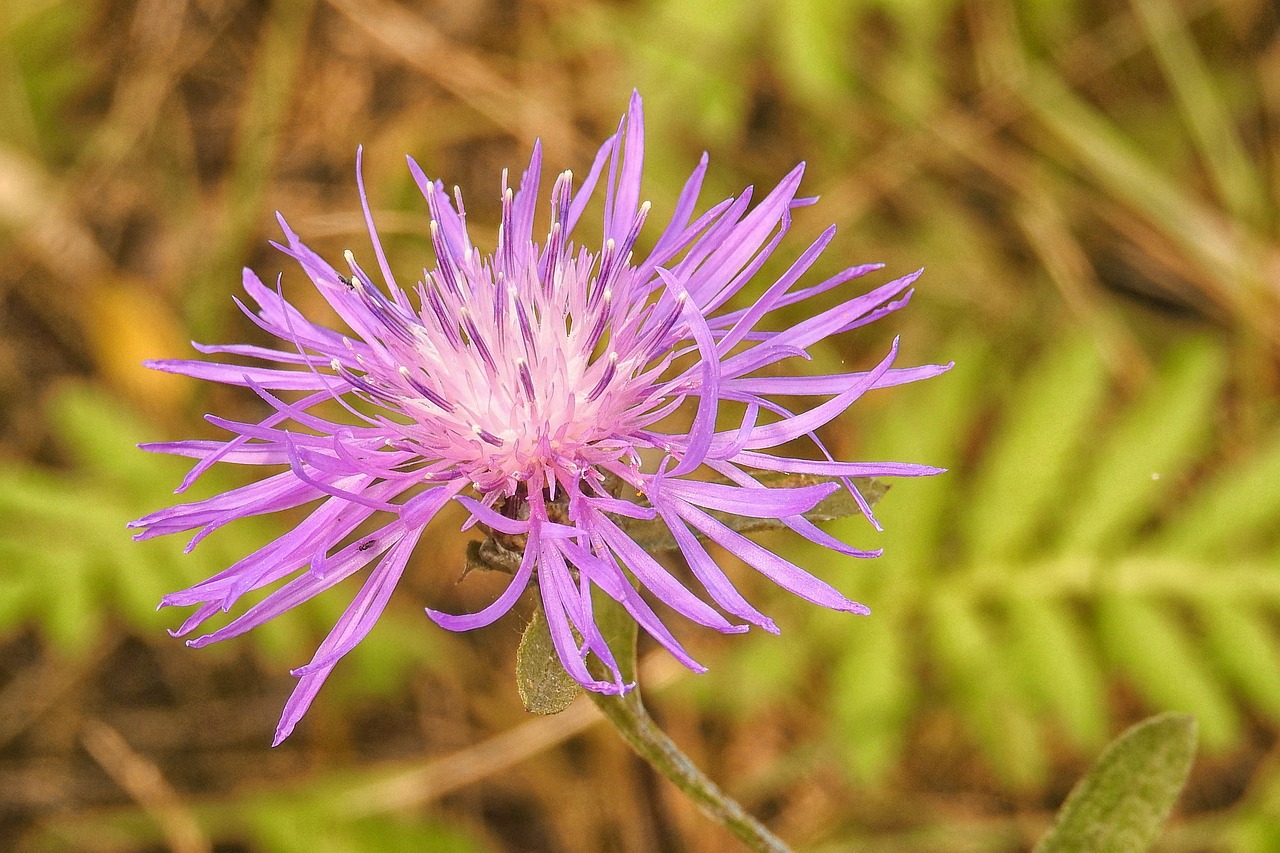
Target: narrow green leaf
column 1254, row 579
column 1239, row 640
column 979, row 679
column 16, row 111
column 21, row 585
column 1237, row 506
column 543, row 684
column 916, row 519
column 72, row 614
column 1028, row 464
column 44, row 76
column 1121, row 804
column 283, row 641
column 1057, row 666
column 101, row 434
column 1167, row 666
column 1204, row 109
column 1156, row 438
column 759, row 671
column 400, row 645
column 872, row 694
column 811, row 38
column 137, row 591
column 304, row 822
column 29, row 491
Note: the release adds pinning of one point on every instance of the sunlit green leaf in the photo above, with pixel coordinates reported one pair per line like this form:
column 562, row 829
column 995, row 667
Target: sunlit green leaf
column 1241, row 640
column 1231, row 511
column 1143, row 455
column 1157, row 653
column 1057, row 666
column 1238, row 183
column 964, row 646
column 1030, row 462
column 872, row 692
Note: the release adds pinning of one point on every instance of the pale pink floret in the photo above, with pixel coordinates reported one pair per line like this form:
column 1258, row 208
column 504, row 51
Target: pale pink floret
column 520, row 384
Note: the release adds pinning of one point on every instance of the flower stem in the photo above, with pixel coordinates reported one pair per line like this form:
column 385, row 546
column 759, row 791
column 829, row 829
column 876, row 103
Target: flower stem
column 629, row 717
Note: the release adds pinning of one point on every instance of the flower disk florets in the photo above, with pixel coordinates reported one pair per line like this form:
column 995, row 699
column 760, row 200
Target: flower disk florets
column 523, row 368
column 533, row 385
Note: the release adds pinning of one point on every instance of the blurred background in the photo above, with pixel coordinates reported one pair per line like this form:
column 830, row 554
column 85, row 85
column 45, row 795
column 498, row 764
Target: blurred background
column 1093, row 190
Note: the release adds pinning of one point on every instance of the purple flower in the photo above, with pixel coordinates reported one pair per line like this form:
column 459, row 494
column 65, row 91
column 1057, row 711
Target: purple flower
column 527, row 385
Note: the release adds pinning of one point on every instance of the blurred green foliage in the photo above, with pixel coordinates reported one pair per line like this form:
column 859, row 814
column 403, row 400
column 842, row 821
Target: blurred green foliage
column 1092, row 188
column 1053, row 573
column 70, row 564
column 67, row 565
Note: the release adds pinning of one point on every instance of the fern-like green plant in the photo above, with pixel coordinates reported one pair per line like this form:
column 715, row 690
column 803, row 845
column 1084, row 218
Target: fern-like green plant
column 68, row 564
column 68, row 559
column 1095, row 538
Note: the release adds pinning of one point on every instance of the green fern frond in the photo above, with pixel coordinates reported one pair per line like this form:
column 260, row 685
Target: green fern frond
column 68, row 564
column 1076, row 543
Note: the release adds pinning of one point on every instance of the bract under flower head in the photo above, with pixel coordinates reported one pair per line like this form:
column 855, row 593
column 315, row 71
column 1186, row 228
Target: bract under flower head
column 524, row 385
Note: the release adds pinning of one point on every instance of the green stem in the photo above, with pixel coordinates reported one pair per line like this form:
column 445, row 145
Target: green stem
column 628, row 715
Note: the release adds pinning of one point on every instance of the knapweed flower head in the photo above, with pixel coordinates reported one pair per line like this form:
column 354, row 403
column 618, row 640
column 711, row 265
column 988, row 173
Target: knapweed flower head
column 543, row 387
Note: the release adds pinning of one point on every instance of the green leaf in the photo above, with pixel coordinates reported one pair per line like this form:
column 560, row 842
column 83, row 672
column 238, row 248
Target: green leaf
column 304, row 821
column 541, row 680
column 20, row 588
column 400, row 645
column 100, row 434
column 760, row 671
column 1029, row 463
column 872, row 692
column 1239, row 505
column 1204, row 109
column 73, row 616
column 1057, row 666
column 1153, row 443
column 979, row 680
column 42, row 75
column 1167, row 666
column 918, row 516
column 812, row 40
column 1239, row 641
column 1121, row 804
